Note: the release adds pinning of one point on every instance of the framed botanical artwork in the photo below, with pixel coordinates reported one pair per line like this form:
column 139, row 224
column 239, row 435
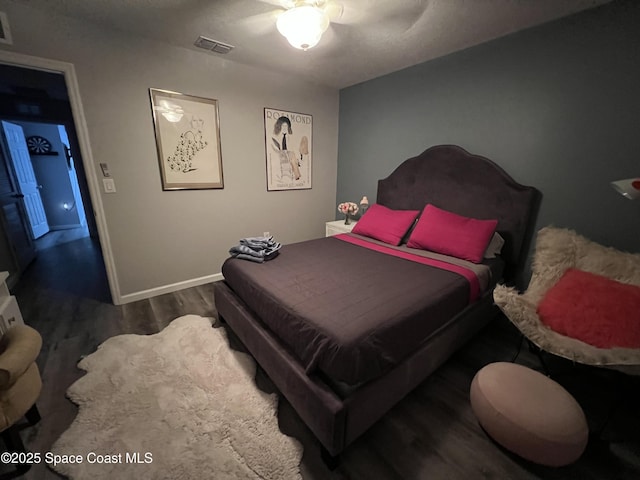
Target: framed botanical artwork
column 288, row 148
column 5, row 31
column 187, row 132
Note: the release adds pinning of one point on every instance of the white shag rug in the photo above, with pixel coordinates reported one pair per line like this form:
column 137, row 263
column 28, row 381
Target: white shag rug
column 181, row 400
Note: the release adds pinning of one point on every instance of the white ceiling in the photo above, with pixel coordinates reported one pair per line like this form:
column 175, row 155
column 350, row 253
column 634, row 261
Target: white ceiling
column 369, row 39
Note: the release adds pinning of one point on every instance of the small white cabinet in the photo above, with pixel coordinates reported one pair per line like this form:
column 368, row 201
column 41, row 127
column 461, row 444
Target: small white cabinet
column 9, row 311
column 338, row 226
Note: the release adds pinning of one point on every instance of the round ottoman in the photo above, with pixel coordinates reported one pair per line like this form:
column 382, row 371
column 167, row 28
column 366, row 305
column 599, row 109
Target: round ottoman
column 529, row 414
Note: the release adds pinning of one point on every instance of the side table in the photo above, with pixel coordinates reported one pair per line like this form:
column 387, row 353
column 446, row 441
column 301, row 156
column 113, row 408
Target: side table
column 338, row 226
column 9, row 311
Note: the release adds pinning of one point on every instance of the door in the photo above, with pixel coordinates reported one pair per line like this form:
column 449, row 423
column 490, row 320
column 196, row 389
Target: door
column 27, row 183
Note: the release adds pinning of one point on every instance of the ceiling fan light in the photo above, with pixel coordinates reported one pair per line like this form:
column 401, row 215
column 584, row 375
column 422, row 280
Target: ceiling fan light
column 303, row 26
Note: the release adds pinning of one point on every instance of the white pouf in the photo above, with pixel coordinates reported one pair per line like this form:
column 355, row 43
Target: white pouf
column 529, row 414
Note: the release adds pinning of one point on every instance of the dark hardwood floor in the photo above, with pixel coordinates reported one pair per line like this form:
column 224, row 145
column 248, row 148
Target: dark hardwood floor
column 54, row 238
column 431, row 434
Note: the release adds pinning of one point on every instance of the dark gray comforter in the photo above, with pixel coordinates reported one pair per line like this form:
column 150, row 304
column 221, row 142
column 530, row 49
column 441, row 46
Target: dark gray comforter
column 344, row 310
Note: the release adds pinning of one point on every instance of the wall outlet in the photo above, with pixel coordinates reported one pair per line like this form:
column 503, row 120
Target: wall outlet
column 266, row 234
column 109, row 185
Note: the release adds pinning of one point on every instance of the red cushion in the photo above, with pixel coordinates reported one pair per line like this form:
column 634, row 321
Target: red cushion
column 451, row 234
column 384, row 224
column 594, row 309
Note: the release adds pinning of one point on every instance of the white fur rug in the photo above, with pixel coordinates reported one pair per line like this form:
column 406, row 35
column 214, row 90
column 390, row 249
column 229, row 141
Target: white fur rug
column 183, row 400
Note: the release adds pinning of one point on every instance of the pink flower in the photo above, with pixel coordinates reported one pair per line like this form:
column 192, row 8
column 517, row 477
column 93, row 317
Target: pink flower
column 348, row 208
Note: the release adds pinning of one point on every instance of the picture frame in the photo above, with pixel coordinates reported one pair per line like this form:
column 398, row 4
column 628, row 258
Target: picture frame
column 5, row 30
column 187, row 131
column 288, row 149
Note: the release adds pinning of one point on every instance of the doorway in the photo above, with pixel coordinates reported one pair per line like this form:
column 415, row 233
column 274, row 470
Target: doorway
column 34, row 93
column 62, row 215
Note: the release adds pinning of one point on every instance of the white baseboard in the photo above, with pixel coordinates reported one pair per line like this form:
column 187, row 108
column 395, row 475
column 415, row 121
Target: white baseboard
column 153, row 292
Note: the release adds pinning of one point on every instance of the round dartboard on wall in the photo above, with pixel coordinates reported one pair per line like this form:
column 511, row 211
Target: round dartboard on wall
column 37, row 144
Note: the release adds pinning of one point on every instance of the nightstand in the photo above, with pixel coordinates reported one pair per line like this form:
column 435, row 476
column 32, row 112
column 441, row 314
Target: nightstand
column 9, row 311
column 338, row 226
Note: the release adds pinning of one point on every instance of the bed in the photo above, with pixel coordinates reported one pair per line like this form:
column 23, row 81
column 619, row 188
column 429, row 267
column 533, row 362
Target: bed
column 346, row 326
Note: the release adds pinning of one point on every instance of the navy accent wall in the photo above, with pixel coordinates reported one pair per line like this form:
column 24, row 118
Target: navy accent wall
column 557, row 106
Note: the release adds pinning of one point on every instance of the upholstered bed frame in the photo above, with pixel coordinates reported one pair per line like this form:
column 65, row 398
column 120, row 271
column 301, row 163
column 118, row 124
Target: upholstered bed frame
column 450, row 178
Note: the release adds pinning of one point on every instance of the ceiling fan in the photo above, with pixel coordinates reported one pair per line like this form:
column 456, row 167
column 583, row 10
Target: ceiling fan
column 302, row 22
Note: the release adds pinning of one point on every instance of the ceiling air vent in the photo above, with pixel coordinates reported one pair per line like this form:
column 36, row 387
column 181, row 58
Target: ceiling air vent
column 213, row 45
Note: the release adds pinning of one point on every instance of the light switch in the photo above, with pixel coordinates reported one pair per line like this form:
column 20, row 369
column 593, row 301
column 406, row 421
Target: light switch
column 105, row 170
column 109, row 185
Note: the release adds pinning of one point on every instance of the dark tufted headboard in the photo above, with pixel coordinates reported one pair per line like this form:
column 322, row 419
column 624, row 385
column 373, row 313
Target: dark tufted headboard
column 451, row 178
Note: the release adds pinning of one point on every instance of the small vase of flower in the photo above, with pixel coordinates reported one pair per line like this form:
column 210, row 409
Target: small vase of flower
column 348, row 209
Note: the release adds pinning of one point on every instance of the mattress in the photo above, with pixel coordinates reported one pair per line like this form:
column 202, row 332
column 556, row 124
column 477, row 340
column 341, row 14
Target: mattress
column 350, row 312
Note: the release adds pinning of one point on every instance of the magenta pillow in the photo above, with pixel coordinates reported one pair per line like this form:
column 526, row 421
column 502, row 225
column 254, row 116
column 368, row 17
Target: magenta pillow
column 452, row 234
column 384, row 224
column 594, row 309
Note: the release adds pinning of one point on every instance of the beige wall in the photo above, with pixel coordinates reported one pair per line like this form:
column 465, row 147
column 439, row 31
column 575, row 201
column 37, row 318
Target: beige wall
column 161, row 240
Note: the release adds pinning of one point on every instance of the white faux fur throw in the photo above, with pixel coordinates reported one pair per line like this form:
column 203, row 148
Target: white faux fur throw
column 181, row 400
column 557, row 250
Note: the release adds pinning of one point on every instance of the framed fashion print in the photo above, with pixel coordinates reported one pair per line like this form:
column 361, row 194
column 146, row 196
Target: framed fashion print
column 187, row 132
column 288, row 148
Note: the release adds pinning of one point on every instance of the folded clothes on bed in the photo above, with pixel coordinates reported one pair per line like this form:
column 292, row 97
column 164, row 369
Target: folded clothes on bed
column 256, row 249
column 256, row 253
column 258, row 242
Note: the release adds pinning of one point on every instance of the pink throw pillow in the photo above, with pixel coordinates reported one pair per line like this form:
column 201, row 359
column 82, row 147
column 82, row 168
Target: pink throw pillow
column 593, row 309
column 384, row 224
column 452, row 234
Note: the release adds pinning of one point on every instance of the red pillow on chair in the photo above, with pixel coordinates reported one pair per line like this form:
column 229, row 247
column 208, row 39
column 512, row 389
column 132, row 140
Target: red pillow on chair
column 593, row 309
